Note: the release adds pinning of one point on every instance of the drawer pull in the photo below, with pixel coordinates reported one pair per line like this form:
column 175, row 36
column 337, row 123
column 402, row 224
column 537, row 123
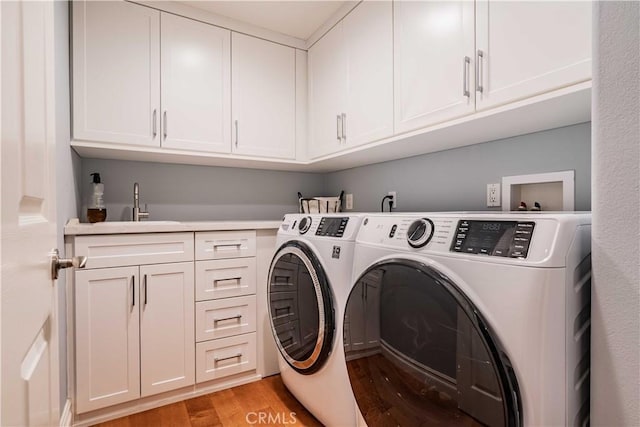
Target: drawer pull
column 227, row 244
column 281, row 279
column 286, row 342
column 228, row 279
column 236, row 317
column 220, row 359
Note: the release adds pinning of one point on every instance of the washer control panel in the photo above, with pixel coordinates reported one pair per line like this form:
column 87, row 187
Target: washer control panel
column 494, row 238
column 332, row 226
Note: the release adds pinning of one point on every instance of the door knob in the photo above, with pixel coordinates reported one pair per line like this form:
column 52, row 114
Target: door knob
column 57, row 263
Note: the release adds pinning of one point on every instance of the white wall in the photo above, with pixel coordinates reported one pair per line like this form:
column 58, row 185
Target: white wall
column 67, row 171
column 615, row 306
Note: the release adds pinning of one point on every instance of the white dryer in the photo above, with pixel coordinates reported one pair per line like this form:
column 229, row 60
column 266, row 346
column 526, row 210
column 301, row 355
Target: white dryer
column 471, row 318
column 309, row 282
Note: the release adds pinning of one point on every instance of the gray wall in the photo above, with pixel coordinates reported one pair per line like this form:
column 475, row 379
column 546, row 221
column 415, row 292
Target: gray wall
column 457, row 179
column 615, row 305
column 67, row 173
column 192, row 193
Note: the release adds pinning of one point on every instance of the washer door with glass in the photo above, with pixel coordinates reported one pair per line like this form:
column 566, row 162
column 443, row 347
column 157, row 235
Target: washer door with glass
column 301, row 307
column 419, row 352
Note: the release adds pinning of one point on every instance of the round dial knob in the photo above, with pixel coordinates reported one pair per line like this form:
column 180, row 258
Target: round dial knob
column 420, row 232
column 304, row 224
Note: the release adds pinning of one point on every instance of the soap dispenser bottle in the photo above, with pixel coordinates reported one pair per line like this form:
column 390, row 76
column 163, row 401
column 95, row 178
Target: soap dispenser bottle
column 97, row 212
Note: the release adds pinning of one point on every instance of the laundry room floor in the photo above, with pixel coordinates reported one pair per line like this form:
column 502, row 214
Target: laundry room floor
column 238, row 406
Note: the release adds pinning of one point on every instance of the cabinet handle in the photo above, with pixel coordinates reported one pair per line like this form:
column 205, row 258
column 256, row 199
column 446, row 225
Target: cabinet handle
column 229, row 244
column 228, row 279
column 155, row 123
column 338, row 127
column 479, row 71
column 164, row 125
column 344, row 127
column 236, row 134
column 145, row 289
column 236, row 317
column 465, row 77
column 220, row 359
column 133, row 291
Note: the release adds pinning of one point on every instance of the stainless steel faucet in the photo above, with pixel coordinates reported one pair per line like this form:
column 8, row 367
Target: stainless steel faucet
column 137, row 213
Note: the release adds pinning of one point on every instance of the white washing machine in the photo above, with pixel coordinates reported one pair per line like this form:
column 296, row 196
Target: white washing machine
column 309, row 282
column 471, row 319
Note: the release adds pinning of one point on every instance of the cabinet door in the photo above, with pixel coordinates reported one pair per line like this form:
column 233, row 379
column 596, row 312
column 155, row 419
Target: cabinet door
column 327, row 92
column 167, row 336
column 531, row 47
column 107, row 337
column 264, row 98
column 116, row 72
column 368, row 44
column 196, row 100
column 434, row 62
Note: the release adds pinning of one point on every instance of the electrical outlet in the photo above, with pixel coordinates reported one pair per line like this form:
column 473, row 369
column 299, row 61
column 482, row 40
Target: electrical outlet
column 394, row 194
column 349, row 201
column 493, row 195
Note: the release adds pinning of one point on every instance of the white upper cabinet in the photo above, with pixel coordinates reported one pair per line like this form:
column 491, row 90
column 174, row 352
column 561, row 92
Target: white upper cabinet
column 116, row 73
column 434, row 54
column 196, row 99
column 327, row 92
column 264, row 98
column 368, row 42
column 530, row 48
column 351, row 81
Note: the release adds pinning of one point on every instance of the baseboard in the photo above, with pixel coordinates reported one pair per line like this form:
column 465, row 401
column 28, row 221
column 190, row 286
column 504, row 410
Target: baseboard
column 66, row 418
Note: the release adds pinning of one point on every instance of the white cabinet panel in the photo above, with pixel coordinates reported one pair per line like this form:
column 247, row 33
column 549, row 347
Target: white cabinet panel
column 351, row 81
column 225, row 244
column 531, row 47
column 225, row 278
column 116, row 72
column 167, row 355
column 196, row 100
column 327, row 92
column 264, row 97
column 434, row 62
column 226, row 356
column 107, row 337
column 368, row 44
column 225, row 317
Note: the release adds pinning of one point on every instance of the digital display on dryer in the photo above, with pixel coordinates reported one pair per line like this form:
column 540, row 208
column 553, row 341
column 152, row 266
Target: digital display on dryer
column 496, row 238
column 332, row 226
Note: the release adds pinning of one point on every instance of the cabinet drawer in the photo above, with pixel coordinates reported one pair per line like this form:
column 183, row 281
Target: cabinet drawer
column 225, row 244
column 134, row 249
column 289, row 335
column 225, row 317
column 225, row 278
column 284, row 307
column 226, row 356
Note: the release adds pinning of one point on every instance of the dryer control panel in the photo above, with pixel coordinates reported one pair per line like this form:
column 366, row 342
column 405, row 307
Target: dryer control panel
column 495, row 238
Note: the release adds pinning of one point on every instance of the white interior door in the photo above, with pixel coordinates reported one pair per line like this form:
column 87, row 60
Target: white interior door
column 196, row 95
column 263, row 78
column 30, row 383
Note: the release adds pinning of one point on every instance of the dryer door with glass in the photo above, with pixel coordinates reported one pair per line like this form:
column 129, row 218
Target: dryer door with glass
column 301, row 308
column 420, row 353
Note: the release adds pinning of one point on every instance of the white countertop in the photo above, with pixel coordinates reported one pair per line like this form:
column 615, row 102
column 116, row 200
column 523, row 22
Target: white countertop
column 76, row 228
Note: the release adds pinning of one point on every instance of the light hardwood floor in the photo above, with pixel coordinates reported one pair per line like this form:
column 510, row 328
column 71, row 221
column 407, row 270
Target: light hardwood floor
column 238, row 406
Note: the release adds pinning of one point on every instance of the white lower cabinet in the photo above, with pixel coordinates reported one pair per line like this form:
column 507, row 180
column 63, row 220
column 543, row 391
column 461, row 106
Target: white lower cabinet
column 166, row 327
column 107, row 338
column 224, row 357
column 134, row 333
